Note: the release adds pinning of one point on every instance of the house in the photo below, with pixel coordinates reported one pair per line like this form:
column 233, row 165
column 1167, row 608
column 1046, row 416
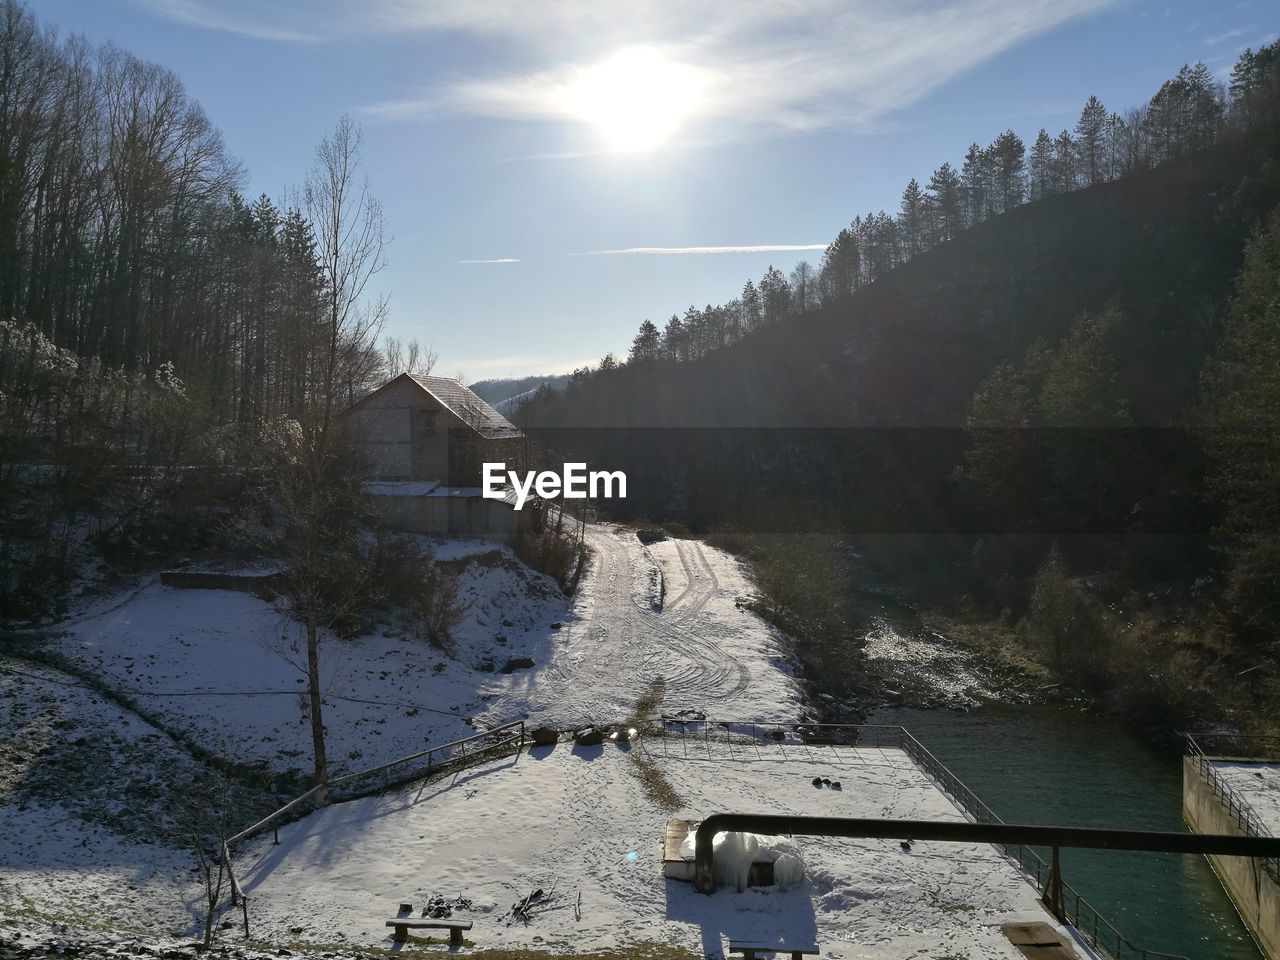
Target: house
column 422, row 442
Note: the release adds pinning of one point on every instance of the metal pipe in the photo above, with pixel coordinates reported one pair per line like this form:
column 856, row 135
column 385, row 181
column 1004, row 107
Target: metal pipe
column 965, row 832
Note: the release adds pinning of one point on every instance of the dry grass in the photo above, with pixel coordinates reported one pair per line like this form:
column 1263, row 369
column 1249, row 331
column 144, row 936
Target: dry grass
column 655, row 785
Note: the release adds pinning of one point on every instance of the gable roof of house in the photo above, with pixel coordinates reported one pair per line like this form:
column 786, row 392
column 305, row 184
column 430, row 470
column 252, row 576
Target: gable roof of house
column 464, row 404
column 459, row 400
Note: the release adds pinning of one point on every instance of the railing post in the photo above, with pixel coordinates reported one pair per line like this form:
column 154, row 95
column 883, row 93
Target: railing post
column 1052, row 894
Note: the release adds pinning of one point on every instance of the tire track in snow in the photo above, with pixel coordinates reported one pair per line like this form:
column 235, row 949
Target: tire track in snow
column 618, row 644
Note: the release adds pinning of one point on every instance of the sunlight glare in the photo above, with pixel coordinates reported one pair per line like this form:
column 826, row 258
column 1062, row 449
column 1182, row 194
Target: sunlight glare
column 637, row 98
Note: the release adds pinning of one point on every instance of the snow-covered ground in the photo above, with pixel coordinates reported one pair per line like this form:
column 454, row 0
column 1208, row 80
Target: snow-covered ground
column 222, row 667
column 577, row 821
column 80, row 781
column 948, row 673
column 1258, row 785
column 231, row 656
column 713, row 654
column 218, row 668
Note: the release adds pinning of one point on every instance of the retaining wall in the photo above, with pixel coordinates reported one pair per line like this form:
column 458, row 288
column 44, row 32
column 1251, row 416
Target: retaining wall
column 1253, row 890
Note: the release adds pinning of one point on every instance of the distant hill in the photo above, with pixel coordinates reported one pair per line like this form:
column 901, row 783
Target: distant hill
column 507, row 393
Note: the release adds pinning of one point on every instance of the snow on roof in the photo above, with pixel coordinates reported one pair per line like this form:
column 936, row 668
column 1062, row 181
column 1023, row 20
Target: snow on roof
column 467, row 406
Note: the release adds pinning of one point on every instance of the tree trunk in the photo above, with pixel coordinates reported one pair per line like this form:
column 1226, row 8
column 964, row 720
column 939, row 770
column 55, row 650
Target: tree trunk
column 313, row 687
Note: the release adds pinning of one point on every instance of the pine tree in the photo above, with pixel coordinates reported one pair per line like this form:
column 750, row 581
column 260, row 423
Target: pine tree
column 1065, row 168
column 646, row 344
column 674, row 341
column 1242, row 384
column 775, row 296
column 1008, row 160
column 975, row 179
column 841, row 263
column 752, row 308
column 945, row 198
column 1042, row 178
column 911, row 219
column 1091, row 140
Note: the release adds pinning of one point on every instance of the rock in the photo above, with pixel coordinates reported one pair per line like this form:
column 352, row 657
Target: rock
column 545, row 737
column 517, row 663
column 589, row 737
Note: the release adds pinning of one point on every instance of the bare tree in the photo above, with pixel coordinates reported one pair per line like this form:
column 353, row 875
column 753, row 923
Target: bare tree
column 315, row 485
column 350, row 246
column 421, row 359
column 393, row 354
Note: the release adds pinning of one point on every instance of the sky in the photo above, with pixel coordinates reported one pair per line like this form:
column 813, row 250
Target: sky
column 554, row 172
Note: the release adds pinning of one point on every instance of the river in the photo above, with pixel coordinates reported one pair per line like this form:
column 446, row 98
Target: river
column 1055, row 764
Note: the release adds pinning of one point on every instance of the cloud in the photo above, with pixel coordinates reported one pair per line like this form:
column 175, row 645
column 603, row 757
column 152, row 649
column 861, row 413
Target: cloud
column 1229, row 35
column 760, row 65
column 494, row 260
column 739, row 248
column 195, row 13
column 763, row 66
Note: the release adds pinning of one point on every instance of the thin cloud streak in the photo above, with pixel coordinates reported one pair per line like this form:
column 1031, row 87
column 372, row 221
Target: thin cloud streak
column 740, row 248
column 494, row 260
column 195, row 13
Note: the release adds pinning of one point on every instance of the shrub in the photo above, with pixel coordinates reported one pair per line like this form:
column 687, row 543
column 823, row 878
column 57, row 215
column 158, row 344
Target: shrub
column 423, row 588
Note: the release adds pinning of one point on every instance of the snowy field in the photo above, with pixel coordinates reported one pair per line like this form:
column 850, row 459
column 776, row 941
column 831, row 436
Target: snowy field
column 84, row 778
column 231, row 659
column 81, row 780
column 1257, row 784
column 577, row 821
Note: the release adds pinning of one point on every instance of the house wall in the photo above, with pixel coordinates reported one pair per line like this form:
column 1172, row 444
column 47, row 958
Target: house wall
column 402, row 433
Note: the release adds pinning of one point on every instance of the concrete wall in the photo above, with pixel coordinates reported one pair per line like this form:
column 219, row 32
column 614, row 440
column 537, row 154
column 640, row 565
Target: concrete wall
column 1254, row 892
column 454, row 516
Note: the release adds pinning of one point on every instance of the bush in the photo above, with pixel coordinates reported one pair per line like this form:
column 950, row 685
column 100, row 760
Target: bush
column 420, row 586
column 553, row 550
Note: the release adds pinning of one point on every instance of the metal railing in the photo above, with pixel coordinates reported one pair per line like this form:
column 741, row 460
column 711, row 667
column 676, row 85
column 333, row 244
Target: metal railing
column 739, row 738
column 1205, row 749
column 1096, row 929
column 439, row 757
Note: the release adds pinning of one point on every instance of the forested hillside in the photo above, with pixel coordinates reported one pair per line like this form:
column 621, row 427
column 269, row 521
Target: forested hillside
column 1093, row 357
column 162, row 337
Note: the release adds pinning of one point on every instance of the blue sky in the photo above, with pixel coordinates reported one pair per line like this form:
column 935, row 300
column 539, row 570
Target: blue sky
column 537, row 131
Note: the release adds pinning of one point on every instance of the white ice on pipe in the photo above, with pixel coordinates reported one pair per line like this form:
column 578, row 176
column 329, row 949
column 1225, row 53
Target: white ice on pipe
column 734, row 852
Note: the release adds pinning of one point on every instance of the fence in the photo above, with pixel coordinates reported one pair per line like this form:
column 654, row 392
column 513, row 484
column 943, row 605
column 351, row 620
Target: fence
column 440, row 757
column 738, row 737
column 1204, row 749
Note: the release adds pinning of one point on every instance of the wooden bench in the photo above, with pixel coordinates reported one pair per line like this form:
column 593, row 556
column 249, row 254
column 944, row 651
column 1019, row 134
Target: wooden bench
column 749, row 950
column 404, row 924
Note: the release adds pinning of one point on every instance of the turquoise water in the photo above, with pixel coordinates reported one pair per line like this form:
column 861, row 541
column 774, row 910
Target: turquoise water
column 1053, row 764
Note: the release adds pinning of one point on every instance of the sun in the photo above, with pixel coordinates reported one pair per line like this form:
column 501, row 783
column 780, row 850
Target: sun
column 637, row 99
